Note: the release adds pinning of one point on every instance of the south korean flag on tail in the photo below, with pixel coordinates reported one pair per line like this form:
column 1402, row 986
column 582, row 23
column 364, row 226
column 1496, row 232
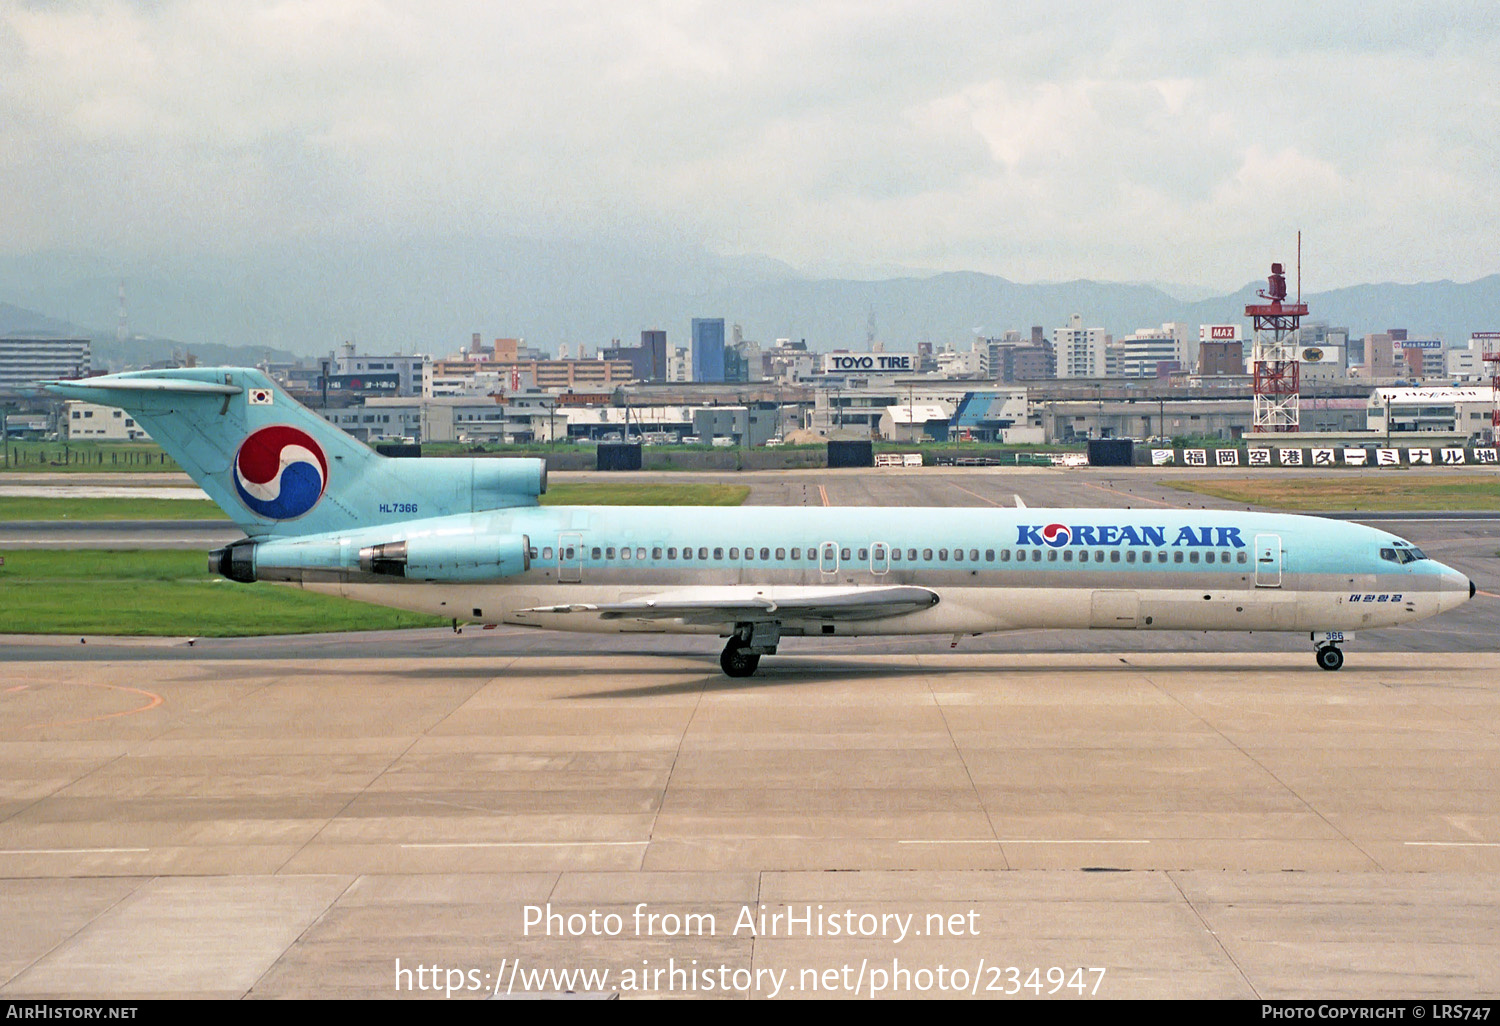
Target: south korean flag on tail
column 260, row 396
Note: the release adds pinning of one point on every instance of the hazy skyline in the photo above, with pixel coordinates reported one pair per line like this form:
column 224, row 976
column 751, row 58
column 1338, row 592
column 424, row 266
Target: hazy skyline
column 1160, row 142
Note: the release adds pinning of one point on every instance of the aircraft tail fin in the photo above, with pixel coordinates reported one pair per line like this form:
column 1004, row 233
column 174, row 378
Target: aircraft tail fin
column 278, row 469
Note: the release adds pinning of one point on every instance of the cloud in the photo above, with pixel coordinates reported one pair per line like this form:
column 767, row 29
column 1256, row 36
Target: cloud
column 1031, row 139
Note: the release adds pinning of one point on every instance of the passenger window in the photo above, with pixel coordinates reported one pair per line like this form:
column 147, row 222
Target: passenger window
column 1067, row 555
column 734, row 553
column 1083, row 555
column 656, row 552
column 1208, row 557
column 547, row 552
column 1242, row 558
column 1192, row 557
column 671, row 553
column 781, row 553
column 797, row 553
column 640, row 552
column 1114, row 555
column 942, row 555
column 864, row 554
column 765, row 553
column 1036, row 555
column 1005, row 555
column 989, row 555
column 531, row 552
column 598, row 553
column 973, row 555
column 1130, row 555
column 718, row 553
column 1161, row 557
column 1052, row 555
column 624, row 553
column 1145, row 557
column 895, row 555
column 1098, row 555
column 703, row 552
column 1177, row 557
column 927, row 555
column 911, row 554
column 844, row 554
column 570, row 552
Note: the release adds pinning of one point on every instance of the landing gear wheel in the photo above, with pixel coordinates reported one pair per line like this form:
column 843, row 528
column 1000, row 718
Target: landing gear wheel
column 736, row 662
column 1330, row 657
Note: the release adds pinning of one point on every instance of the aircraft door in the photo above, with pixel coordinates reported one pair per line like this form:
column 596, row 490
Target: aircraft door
column 569, row 558
column 880, row 558
column 828, row 558
column 1268, row 560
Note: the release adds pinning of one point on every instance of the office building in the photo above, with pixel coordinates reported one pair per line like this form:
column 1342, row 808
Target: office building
column 708, row 349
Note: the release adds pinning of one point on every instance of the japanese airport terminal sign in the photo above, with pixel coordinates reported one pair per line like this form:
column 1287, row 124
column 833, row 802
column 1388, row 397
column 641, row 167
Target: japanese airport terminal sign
column 1275, row 456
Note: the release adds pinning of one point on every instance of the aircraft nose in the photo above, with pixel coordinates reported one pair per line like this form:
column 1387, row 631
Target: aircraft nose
column 1455, row 589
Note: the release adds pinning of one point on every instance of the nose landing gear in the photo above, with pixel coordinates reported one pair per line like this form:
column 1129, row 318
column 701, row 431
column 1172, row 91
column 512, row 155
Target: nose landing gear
column 1329, row 655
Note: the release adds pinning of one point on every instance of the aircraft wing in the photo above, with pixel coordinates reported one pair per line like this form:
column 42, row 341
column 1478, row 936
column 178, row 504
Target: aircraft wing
column 718, row 605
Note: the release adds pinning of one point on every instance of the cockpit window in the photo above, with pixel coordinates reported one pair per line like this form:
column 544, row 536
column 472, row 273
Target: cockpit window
column 1403, row 554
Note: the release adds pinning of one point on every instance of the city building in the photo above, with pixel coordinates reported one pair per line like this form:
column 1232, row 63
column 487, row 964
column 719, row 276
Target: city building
column 708, row 349
column 1080, row 350
column 1011, row 358
column 26, row 361
column 1143, row 352
column 1469, row 364
column 1444, row 410
column 403, row 375
column 83, row 420
column 648, row 361
column 1221, row 359
column 916, row 422
column 1421, row 359
column 1379, row 358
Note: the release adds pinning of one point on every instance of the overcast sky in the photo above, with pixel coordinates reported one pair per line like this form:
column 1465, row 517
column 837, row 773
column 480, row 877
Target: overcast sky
column 1040, row 141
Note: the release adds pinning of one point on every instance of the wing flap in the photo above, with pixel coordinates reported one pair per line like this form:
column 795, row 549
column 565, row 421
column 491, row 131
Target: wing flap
column 718, row 605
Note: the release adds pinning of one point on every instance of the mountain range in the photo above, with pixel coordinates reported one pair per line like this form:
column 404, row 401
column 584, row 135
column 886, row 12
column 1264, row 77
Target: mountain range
column 428, row 297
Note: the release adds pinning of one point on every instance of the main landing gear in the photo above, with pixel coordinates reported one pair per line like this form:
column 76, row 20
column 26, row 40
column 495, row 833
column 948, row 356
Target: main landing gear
column 1329, row 655
column 736, row 660
column 750, row 641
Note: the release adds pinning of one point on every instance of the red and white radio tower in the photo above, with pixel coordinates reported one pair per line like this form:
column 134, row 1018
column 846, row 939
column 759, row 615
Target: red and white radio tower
column 1274, row 356
column 1491, row 342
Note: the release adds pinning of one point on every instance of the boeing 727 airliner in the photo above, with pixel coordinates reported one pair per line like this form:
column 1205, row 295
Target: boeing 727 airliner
column 466, row 539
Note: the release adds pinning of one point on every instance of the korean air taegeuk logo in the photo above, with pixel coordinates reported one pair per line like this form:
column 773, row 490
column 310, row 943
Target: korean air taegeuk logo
column 280, row 472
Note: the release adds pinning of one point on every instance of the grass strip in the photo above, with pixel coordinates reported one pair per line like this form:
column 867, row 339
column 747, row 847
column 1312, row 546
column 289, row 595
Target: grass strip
column 1382, row 492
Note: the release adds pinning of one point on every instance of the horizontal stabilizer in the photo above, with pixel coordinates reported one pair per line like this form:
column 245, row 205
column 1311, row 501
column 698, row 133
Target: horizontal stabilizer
column 91, row 389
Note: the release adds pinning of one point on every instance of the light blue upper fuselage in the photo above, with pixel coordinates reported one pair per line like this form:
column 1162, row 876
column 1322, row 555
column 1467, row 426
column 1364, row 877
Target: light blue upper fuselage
column 817, row 541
